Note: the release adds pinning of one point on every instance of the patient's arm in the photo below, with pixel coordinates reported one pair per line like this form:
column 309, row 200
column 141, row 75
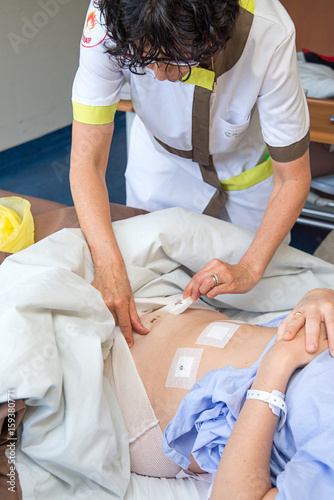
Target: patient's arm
column 316, row 308
column 244, row 470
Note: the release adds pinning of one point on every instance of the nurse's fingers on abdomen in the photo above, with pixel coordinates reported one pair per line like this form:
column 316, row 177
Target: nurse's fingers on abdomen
column 135, row 320
column 124, row 322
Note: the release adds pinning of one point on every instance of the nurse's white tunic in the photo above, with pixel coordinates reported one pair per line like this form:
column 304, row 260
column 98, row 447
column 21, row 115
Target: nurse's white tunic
column 200, row 143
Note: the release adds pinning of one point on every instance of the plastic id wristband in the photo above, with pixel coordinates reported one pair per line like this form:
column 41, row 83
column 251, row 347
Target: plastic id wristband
column 276, row 402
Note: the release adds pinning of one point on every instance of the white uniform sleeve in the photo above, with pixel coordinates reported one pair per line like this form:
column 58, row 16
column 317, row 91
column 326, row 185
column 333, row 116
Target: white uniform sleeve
column 99, row 79
column 282, row 105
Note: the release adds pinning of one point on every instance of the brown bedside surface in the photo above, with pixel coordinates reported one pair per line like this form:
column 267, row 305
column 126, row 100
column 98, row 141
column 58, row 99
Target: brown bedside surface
column 322, row 129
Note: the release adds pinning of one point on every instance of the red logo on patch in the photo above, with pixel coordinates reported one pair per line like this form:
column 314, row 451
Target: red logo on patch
column 86, row 40
column 91, row 20
column 93, row 33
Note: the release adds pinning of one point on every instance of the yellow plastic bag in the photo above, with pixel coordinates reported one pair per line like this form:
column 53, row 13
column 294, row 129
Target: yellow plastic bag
column 16, row 224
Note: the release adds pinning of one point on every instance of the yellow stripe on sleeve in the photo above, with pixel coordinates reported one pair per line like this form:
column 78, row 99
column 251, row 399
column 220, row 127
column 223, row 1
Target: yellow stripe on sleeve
column 94, row 115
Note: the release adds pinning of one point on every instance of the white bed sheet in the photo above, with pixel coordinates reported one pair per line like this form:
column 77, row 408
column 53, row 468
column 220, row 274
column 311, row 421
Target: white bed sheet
column 152, row 488
column 317, row 79
column 56, row 330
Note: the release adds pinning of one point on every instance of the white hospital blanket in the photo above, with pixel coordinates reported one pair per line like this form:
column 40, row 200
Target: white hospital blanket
column 163, row 249
column 55, row 327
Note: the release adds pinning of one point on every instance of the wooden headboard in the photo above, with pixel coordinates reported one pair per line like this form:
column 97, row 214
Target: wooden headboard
column 314, row 21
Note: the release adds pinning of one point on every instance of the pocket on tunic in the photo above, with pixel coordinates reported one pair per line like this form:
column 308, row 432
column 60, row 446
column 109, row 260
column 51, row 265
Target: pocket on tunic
column 233, row 130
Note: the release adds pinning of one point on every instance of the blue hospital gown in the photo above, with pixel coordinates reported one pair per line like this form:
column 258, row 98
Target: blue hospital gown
column 302, row 458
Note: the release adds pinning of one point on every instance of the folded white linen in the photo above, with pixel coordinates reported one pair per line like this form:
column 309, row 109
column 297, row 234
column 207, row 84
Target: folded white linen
column 317, row 79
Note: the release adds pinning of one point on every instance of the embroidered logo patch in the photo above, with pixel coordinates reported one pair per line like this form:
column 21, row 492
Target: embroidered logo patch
column 93, row 33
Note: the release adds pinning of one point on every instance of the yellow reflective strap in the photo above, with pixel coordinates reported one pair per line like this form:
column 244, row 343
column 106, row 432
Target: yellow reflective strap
column 250, row 177
column 94, row 115
column 200, row 77
column 205, row 78
column 248, row 5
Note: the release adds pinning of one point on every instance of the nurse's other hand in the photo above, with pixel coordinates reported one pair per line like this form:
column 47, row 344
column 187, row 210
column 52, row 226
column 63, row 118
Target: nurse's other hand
column 113, row 283
column 315, row 308
column 238, row 278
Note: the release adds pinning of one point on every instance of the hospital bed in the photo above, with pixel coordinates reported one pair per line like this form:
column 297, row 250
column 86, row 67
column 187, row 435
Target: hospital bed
column 50, row 217
column 46, row 300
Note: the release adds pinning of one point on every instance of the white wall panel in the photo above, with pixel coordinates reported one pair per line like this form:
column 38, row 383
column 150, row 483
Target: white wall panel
column 39, row 53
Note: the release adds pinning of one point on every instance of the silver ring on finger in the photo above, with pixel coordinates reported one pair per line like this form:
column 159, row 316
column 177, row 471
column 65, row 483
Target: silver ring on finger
column 215, row 279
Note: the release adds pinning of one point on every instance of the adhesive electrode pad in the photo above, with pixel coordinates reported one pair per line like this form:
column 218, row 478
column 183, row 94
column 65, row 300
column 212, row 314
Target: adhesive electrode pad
column 178, row 306
column 183, row 370
column 217, row 334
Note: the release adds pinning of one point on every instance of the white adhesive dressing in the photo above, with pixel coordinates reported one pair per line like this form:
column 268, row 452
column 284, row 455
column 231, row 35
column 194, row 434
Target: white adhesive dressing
column 217, row 334
column 183, row 370
column 178, row 306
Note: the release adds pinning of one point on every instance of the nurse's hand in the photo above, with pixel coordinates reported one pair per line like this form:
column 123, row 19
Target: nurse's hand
column 238, row 278
column 113, row 282
column 315, row 308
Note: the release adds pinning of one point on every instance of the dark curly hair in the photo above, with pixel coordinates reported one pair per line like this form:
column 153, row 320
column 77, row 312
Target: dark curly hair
column 143, row 31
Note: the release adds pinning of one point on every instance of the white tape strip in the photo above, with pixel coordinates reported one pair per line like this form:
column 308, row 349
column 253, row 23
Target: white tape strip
column 178, row 306
column 217, row 334
column 183, row 370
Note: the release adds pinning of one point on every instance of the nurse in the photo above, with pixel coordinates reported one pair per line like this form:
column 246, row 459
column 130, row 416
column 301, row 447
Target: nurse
column 221, row 127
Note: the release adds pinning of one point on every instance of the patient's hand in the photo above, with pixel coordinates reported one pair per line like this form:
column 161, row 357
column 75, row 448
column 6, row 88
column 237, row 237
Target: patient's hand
column 292, row 355
column 316, row 310
column 238, row 278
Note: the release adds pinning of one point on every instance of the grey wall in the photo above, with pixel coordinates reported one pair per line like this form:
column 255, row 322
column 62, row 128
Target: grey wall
column 39, row 51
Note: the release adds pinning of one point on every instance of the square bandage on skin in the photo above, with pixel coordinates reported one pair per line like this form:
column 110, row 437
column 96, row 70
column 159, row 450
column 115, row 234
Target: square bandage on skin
column 183, row 370
column 217, row 334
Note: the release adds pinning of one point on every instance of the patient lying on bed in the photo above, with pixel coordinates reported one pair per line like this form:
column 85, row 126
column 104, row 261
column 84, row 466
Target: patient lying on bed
column 149, row 383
